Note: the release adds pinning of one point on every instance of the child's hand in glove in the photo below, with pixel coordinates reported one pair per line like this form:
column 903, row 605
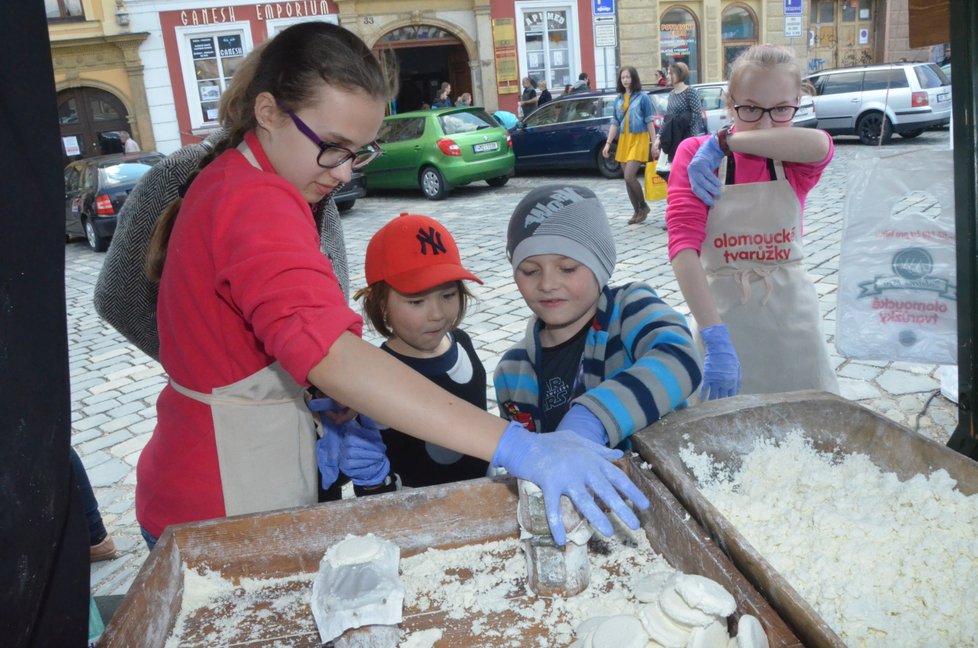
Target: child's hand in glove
column 702, row 169
column 563, row 463
column 721, row 366
column 363, row 455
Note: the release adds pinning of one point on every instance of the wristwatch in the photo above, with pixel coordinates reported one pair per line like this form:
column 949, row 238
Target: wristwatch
column 721, row 137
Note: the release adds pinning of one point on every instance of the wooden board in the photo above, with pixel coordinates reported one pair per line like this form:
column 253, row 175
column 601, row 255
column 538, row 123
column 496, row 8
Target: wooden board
column 285, row 543
column 726, row 430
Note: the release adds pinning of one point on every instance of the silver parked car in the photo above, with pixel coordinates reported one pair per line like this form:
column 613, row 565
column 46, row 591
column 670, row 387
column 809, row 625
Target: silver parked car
column 713, row 98
column 874, row 101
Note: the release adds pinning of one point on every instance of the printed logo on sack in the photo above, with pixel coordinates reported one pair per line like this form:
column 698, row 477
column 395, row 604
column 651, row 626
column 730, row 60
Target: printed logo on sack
column 912, row 268
column 431, row 237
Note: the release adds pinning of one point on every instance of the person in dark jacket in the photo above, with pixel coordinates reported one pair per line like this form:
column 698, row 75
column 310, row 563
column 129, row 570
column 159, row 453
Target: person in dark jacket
column 528, row 99
column 684, row 117
column 544, row 95
column 443, row 100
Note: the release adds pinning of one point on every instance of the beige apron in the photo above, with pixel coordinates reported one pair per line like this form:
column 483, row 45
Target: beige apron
column 266, row 441
column 753, row 259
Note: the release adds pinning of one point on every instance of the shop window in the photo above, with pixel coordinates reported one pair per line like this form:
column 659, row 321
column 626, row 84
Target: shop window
column 209, row 60
column 826, row 11
column 739, row 32
column 739, row 24
column 58, row 9
column 679, row 40
column 546, row 34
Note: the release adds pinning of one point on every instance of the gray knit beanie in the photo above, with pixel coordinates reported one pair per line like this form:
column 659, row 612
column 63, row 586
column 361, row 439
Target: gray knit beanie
column 562, row 219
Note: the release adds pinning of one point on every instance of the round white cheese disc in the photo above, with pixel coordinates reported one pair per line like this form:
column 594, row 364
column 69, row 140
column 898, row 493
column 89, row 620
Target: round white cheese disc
column 661, row 628
column 589, row 625
column 750, row 633
column 705, row 594
column 711, row 636
column 648, row 588
column 679, row 611
column 622, row 631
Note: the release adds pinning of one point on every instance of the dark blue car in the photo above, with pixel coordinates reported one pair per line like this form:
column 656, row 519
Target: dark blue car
column 568, row 132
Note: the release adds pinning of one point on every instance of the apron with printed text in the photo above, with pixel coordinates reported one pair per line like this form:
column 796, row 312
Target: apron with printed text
column 753, row 258
column 266, row 441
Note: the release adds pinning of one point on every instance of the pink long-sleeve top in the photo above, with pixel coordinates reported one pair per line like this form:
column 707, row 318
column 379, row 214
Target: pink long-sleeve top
column 686, row 214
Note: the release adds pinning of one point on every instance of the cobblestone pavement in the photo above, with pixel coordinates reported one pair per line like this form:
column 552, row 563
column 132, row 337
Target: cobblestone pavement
column 114, row 386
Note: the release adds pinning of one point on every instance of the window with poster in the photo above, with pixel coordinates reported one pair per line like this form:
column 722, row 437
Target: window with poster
column 679, row 40
column 546, row 34
column 209, row 58
column 738, row 29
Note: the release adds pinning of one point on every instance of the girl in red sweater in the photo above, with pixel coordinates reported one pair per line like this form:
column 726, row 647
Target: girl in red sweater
column 251, row 315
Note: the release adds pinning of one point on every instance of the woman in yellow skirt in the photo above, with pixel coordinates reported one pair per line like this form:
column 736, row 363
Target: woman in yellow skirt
column 636, row 141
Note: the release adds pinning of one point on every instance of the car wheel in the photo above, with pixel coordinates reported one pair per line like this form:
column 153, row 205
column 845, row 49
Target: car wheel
column 910, row 134
column 497, row 181
column 433, row 184
column 869, row 126
column 608, row 167
column 96, row 242
column 346, row 205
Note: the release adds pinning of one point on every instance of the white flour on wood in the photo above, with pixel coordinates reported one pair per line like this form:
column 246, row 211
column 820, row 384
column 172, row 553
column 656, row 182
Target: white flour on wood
column 482, row 586
column 884, row 562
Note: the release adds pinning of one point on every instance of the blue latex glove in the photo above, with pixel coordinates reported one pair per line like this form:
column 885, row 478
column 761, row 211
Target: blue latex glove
column 363, row 455
column 702, row 171
column 328, row 447
column 563, row 463
column 581, row 421
column 721, row 367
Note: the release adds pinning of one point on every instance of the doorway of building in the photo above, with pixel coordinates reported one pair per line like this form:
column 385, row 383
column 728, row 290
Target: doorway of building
column 90, row 121
column 426, row 56
column 842, row 34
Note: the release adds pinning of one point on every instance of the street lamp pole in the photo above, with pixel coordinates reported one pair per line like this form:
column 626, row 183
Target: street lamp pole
column 964, row 57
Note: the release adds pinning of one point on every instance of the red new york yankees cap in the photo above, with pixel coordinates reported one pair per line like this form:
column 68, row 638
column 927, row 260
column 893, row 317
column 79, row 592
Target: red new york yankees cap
column 414, row 253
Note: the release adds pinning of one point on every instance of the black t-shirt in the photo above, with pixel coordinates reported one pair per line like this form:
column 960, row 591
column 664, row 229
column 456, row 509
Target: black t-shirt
column 418, row 462
column 560, row 378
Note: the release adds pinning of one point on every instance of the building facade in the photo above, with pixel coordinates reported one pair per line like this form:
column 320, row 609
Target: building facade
column 158, row 67
column 98, row 75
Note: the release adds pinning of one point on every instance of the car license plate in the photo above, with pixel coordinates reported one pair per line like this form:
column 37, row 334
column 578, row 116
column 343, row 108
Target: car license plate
column 944, row 96
column 486, row 146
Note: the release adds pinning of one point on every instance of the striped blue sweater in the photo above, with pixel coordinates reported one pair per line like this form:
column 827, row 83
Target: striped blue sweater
column 639, row 363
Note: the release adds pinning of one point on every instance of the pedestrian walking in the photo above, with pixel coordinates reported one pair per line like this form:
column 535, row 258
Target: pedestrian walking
column 683, row 118
column 635, row 130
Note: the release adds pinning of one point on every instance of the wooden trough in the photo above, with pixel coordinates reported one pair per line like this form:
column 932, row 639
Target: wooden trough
column 285, row 543
column 726, row 430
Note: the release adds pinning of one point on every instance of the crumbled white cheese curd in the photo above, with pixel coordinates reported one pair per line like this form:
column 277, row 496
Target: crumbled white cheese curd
column 479, row 582
column 884, row 562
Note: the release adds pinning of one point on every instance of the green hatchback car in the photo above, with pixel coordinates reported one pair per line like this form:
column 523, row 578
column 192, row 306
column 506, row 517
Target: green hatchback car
column 439, row 149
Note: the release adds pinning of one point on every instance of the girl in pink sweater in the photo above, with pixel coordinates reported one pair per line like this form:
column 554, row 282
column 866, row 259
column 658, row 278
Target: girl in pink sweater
column 735, row 236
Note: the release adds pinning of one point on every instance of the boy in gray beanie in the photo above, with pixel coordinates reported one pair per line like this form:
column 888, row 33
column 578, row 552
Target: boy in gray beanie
column 604, row 361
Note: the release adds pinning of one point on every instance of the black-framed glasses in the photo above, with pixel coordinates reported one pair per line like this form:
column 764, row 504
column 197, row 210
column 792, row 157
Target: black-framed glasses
column 333, row 155
column 780, row 114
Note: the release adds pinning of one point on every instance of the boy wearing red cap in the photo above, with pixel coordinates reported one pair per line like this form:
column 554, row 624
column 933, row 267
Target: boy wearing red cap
column 416, row 298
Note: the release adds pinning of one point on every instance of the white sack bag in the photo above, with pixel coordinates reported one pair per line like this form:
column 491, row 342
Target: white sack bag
column 897, row 297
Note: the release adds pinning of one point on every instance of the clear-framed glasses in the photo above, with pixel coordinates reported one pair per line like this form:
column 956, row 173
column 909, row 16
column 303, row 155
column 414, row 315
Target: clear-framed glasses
column 334, row 155
column 780, row 114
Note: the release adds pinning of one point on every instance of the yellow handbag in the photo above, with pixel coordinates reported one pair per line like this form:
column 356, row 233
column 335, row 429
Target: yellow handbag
column 655, row 185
